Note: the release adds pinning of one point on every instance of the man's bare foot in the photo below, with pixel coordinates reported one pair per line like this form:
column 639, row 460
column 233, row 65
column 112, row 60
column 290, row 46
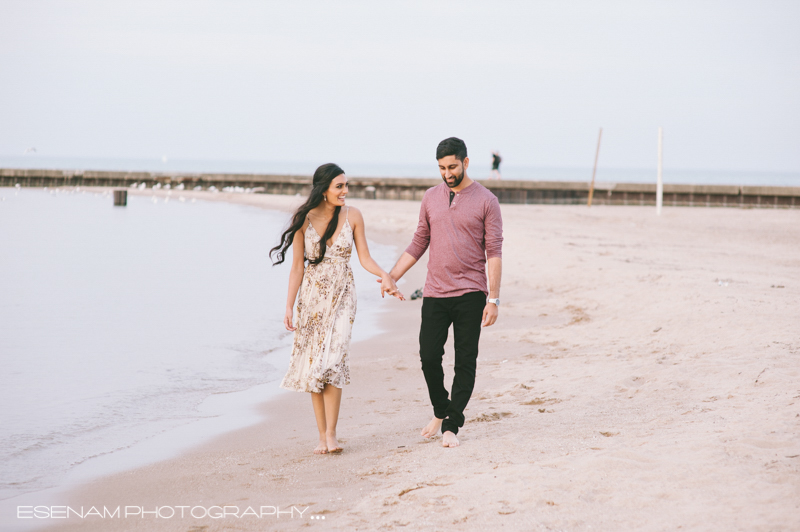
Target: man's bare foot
column 432, row 428
column 450, row 440
column 333, row 444
column 322, row 448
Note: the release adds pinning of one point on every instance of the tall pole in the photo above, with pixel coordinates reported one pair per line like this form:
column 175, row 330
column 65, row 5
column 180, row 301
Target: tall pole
column 660, row 182
column 596, row 155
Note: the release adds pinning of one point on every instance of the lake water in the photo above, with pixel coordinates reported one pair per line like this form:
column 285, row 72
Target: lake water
column 118, row 325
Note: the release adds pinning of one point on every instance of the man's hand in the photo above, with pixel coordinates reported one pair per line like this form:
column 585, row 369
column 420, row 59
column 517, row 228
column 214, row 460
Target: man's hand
column 490, row 312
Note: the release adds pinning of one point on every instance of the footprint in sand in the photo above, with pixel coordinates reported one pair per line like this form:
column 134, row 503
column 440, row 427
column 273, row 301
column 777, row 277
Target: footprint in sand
column 541, row 401
column 494, row 416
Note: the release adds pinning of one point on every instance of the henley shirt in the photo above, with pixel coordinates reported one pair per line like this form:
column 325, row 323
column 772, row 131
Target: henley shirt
column 462, row 235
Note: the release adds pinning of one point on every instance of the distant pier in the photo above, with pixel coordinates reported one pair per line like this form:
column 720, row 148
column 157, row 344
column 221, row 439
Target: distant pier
column 507, row 191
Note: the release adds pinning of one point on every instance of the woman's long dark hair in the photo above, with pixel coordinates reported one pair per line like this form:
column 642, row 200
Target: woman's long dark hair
column 319, row 185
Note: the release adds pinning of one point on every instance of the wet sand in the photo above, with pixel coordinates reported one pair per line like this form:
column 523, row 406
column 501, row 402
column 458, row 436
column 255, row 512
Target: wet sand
column 643, row 375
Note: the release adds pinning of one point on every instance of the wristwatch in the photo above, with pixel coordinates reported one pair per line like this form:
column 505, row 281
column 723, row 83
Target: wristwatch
column 496, row 301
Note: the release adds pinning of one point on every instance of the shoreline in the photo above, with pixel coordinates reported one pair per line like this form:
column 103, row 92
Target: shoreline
column 219, row 414
column 642, row 374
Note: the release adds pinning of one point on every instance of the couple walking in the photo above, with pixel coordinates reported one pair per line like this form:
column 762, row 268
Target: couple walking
column 459, row 221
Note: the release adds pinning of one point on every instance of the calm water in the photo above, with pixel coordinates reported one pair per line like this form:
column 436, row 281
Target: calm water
column 119, row 324
column 478, row 170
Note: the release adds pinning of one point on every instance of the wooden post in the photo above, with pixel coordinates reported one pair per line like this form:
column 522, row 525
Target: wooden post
column 660, row 182
column 120, row 198
column 596, row 155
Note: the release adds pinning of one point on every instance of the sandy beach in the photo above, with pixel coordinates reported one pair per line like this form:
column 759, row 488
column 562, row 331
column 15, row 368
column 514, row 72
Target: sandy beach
column 644, row 374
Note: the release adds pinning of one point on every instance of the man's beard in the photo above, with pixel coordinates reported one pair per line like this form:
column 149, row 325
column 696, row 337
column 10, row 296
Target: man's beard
column 456, row 181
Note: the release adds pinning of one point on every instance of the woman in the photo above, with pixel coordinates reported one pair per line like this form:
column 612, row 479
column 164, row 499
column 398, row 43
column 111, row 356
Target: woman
column 322, row 233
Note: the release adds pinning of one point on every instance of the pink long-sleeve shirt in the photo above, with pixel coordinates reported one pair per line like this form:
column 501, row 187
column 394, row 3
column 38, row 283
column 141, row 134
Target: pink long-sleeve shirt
column 461, row 236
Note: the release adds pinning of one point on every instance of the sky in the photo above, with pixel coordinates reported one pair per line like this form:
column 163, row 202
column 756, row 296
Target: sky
column 384, row 82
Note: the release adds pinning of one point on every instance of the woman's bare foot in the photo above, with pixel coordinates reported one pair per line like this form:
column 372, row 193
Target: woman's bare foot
column 322, row 448
column 450, row 440
column 333, row 444
column 432, row 428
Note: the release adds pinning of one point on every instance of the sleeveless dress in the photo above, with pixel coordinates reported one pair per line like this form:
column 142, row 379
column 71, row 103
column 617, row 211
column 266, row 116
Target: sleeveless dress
column 326, row 309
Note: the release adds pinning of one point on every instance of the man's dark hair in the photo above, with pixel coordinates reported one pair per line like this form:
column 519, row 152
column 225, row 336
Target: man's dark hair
column 452, row 146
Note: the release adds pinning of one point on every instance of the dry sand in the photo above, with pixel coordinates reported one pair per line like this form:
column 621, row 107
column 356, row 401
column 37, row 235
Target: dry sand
column 644, row 374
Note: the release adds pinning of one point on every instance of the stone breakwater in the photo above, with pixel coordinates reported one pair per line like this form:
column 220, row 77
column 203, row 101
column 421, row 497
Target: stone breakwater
column 507, row 191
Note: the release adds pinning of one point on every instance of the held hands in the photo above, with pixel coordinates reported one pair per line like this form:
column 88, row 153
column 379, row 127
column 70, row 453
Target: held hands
column 490, row 312
column 287, row 320
column 388, row 286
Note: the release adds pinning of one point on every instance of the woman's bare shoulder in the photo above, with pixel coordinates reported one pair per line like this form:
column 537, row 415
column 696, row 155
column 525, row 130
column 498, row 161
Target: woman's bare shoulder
column 354, row 214
column 302, row 230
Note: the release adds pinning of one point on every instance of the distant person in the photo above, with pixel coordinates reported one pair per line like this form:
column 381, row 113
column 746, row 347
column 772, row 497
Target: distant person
column 496, row 159
column 326, row 307
column 460, row 221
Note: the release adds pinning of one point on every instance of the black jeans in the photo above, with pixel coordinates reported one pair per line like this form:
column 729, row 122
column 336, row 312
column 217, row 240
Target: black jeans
column 465, row 313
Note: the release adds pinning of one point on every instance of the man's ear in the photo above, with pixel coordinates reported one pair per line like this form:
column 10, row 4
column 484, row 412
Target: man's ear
column 466, row 163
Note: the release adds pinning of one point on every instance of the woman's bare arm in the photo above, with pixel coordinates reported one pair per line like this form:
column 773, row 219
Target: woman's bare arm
column 295, row 276
column 366, row 260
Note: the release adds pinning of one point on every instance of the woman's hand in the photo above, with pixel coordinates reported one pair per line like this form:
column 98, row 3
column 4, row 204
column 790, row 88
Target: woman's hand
column 287, row 320
column 388, row 286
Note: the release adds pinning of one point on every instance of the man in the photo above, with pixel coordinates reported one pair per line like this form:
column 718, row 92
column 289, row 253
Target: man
column 496, row 159
column 460, row 221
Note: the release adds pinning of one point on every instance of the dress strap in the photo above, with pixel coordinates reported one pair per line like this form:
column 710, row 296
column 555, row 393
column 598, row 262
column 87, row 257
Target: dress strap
column 347, row 213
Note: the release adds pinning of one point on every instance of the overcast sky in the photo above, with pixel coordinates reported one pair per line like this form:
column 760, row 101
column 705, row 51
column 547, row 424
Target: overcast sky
column 385, row 81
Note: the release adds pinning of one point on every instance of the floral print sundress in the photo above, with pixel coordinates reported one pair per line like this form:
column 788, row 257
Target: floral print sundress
column 326, row 310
